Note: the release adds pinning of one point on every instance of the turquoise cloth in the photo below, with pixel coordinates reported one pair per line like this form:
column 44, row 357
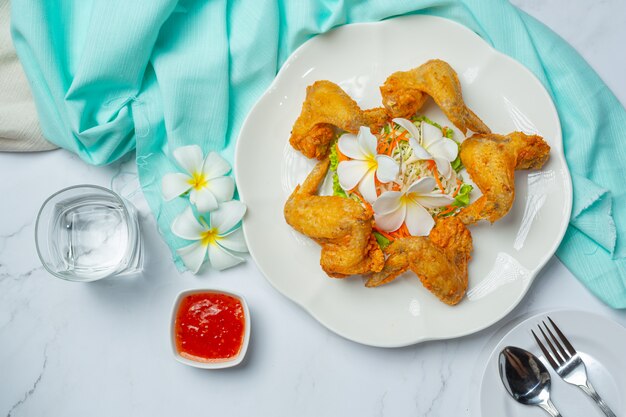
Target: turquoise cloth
column 110, row 76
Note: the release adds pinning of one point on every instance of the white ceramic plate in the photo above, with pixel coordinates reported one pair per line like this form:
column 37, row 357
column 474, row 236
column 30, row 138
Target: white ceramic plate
column 599, row 341
column 507, row 255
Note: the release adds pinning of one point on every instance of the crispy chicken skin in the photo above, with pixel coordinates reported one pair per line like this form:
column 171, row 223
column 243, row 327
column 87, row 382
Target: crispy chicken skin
column 328, row 108
column 439, row 260
column 342, row 226
column 375, row 118
column 491, row 161
column 405, row 92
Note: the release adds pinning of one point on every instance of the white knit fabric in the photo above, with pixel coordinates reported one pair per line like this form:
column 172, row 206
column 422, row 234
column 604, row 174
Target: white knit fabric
column 19, row 126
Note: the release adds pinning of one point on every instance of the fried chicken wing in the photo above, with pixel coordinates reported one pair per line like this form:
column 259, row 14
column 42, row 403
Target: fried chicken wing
column 327, row 108
column 491, row 161
column 405, row 92
column 439, row 260
column 342, row 226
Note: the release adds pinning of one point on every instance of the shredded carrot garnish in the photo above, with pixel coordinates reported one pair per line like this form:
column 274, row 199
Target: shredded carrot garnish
column 436, row 174
column 382, row 232
column 404, row 231
column 396, row 234
column 395, row 141
column 386, row 144
column 449, row 209
column 459, row 183
column 392, row 128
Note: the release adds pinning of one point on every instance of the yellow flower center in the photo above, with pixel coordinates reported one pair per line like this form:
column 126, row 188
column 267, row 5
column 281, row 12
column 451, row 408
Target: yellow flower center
column 407, row 198
column 198, row 180
column 371, row 162
column 209, row 237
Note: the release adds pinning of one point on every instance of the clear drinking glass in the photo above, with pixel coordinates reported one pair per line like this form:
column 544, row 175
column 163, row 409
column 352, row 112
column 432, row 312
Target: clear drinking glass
column 87, row 232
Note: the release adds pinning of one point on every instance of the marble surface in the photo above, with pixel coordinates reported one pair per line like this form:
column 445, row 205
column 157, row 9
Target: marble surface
column 101, row 349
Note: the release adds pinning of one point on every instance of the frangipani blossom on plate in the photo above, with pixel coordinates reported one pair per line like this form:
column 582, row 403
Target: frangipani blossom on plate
column 430, row 144
column 365, row 164
column 393, row 208
column 204, row 179
column 217, row 236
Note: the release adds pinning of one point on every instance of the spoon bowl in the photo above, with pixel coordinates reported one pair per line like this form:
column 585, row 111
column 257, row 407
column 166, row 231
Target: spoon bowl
column 526, row 378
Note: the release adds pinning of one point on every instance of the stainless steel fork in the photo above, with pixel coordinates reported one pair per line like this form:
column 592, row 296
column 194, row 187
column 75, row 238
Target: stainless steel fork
column 568, row 364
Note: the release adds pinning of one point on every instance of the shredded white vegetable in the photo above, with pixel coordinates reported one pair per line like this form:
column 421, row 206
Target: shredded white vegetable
column 412, row 169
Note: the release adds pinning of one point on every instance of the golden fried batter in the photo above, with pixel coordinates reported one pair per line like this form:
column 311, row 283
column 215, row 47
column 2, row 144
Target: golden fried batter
column 342, row 226
column 375, row 119
column 405, row 92
column 439, row 260
column 491, row 161
column 327, row 108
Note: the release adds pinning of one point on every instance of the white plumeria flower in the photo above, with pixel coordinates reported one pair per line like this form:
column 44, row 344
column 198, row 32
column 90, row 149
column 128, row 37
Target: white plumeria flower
column 364, row 164
column 430, row 144
column 216, row 236
column 393, row 208
column 204, row 179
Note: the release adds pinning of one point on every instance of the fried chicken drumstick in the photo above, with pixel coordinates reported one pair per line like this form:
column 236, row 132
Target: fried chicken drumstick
column 342, row 226
column 327, row 108
column 405, row 92
column 491, row 161
column 439, row 260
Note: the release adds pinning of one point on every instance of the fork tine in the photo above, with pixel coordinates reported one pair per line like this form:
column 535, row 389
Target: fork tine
column 566, row 342
column 564, row 354
column 545, row 351
column 555, row 352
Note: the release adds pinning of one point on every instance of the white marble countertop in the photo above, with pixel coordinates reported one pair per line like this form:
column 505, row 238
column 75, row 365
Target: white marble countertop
column 102, row 349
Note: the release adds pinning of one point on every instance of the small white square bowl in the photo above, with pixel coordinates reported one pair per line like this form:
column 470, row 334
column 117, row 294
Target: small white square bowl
column 218, row 364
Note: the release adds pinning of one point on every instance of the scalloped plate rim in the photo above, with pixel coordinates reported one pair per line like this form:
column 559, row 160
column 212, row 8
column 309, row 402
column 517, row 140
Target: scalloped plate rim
column 533, row 274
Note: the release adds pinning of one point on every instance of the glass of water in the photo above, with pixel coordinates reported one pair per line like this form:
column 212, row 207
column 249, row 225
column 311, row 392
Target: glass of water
column 87, row 232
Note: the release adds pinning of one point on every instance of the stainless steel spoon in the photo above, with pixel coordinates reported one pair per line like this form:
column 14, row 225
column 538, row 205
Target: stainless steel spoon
column 526, row 378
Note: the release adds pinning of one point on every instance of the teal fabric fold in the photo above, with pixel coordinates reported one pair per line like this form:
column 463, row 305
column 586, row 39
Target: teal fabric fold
column 110, row 76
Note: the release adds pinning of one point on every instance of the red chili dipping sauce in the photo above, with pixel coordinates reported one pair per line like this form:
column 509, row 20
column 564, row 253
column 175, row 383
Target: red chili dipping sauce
column 209, row 327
